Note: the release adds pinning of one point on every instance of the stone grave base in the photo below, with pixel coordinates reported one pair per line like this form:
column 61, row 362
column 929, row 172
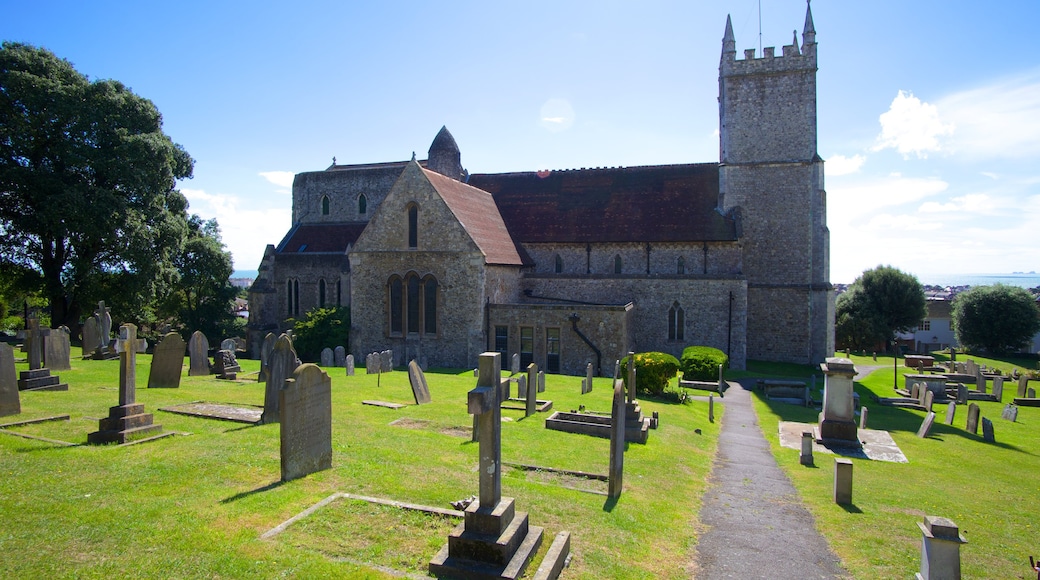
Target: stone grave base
column 1025, row 402
column 875, row 445
column 124, row 423
column 384, row 404
column 596, row 425
column 238, row 413
column 540, row 406
column 40, row 380
column 490, row 544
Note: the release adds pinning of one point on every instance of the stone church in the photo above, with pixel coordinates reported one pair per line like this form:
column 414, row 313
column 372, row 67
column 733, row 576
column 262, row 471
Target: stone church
column 576, row 266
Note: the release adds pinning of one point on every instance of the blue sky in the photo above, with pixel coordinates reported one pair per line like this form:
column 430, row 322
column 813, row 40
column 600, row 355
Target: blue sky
column 929, row 111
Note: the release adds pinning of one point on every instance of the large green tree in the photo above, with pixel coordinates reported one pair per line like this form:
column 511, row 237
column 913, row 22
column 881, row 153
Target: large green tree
column 880, row 303
column 998, row 319
column 87, row 182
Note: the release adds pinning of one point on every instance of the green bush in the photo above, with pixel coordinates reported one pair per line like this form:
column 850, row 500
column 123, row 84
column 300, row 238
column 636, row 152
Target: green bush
column 653, row 371
column 320, row 328
column 701, row 363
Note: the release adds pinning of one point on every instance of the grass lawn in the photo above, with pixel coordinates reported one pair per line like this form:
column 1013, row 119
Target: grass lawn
column 990, row 490
column 195, row 505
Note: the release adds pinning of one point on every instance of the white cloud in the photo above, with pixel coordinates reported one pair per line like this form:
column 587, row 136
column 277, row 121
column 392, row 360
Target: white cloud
column 991, row 175
column 841, row 165
column 282, row 179
column 245, row 230
column 556, row 115
column 911, row 127
column 1001, row 119
column 977, row 203
column 891, row 190
column 554, row 119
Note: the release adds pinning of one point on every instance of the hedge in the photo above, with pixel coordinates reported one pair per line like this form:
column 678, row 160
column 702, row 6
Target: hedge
column 701, row 363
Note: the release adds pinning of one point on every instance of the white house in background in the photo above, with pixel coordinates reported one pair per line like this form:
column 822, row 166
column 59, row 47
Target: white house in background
column 935, row 332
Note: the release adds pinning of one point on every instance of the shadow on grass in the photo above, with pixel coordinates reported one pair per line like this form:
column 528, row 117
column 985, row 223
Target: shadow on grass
column 243, row 494
column 851, row 508
column 608, row 506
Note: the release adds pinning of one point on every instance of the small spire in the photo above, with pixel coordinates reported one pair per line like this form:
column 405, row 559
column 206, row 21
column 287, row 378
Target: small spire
column 333, row 159
column 728, row 36
column 809, row 28
column 413, row 155
column 808, row 32
column 729, row 42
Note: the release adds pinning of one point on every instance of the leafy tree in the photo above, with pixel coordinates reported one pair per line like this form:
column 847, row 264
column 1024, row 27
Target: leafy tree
column 880, row 303
column 201, row 295
column 320, row 328
column 87, row 182
column 653, row 372
column 998, row 319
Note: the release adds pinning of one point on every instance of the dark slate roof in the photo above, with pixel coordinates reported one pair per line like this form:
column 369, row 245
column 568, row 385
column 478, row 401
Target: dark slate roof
column 321, row 238
column 476, row 211
column 662, row 203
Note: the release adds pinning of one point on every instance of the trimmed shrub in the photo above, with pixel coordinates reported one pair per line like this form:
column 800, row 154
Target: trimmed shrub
column 320, row 328
column 653, row 371
column 701, row 363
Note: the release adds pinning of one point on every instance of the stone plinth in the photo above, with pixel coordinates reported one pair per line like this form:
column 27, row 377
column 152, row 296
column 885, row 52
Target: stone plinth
column 124, row 423
column 837, row 419
column 940, row 549
column 40, row 380
column 843, row 481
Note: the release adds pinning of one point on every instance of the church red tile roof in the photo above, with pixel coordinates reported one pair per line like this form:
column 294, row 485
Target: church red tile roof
column 476, row 211
column 663, row 203
column 321, row 238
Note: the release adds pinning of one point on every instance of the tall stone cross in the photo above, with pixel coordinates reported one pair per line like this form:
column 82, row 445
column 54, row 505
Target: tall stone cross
column 126, row 346
column 104, row 323
column 34, row 344
column 484, row 403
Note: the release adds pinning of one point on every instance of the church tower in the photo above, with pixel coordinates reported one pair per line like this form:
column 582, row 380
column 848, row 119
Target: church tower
column 771, row 181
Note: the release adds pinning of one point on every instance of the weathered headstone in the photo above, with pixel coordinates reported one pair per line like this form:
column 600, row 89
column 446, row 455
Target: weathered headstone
column 973, row 419
column 326, row 357
column 1023, row 384
column 1010, row 412
column 521, row 387
column 386, row 361
column 711, row 407
column 339, row 356
column 10, row 402
column 167, row 361
column 91, row 337
column 56, row 350
column 198, row 355
column 806, row 455
column 349, row 362
column 420, row 390
column 305, row 413
column 980, row 381
column 37, row 377
column 494, row 540
column 616, row 469
column 940, row 549
column 929, row 398
column 987, row 431
column 265, row 356
column 281, row 365
column 962, row 394
column 228, row 344
column 225, row 365
column 617, row 369
column 514, row 368
column 915, row 391
column 926, row 425
column 843, row 481
column 951, row 410
column 998, row 388
column 532, row 390
column 541, row 381
column 127, row 420
column 1030, row 393
column 587, row 385
column 104, row 324
column 863, row 417
column 371, row 363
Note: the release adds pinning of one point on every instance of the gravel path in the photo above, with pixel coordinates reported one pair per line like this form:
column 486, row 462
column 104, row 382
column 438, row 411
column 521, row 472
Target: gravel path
column 756, row 525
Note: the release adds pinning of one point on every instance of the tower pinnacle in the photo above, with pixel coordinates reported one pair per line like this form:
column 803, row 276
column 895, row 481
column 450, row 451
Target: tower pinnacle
column 809, row 30
column 729, row 42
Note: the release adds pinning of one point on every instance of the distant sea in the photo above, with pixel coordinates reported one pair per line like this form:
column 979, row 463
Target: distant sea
column 251, row 274
column 1025, row 280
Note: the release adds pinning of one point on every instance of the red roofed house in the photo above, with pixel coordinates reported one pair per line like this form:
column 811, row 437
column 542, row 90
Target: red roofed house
column 577, row 266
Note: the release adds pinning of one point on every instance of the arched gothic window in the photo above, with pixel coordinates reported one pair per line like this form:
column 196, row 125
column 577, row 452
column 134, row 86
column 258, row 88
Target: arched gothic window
column 362, row 204
column 413, row 304
column 559, row 264
column 617, row 263
column 292, row 297
column 676, row 322
column 413, row 226
column 324, row 205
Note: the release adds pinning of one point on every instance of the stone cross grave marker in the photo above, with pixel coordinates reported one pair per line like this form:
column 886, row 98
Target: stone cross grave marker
column 998, row 388
column 339, row 356
column 10, row 401
column 281, row 365
column 532, row 390
column 951, row 410
column 56, row 350
column 127, row 420
column 926, row 425
column 265, row 356
column 167, row 360
column 327, row 358
column 305, row 413
column 198, row 355
column 616, row 467
column 987, row 431
column 349, row 363
column 126, row 346
column 91, row 337
column 484, row 401
column 973, row 419
column 420, row 390
column 34, row 345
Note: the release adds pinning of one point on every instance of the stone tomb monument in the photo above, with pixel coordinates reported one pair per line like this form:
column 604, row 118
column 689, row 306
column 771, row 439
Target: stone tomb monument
column 10, row 403
column 281, row 364
column 38, row 377
column 494, row 541
column 198, row 353
column 127, row 420
column 420, row 390
column 837, row 419
column 167, row 361
column 305, row 412
column 225, row 365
